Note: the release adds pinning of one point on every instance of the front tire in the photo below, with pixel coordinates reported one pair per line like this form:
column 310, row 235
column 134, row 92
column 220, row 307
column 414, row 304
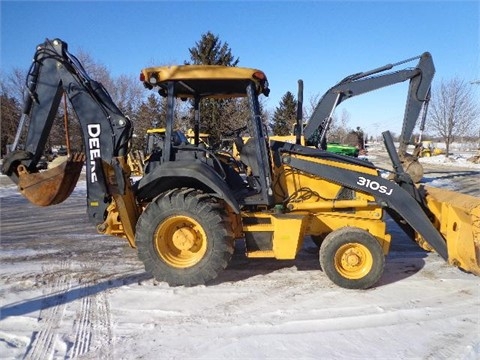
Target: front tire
column 352, row 258
column 184, row 237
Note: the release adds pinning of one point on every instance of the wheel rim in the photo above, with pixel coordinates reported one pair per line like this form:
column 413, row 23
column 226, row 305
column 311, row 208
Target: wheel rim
column 353, row 261
column 180, row 241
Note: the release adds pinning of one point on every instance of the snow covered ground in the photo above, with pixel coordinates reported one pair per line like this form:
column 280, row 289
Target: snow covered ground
column 67, row 292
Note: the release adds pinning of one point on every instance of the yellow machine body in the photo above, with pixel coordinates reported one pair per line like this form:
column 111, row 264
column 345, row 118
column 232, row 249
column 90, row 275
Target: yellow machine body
column 457, row 217
column 315, row 207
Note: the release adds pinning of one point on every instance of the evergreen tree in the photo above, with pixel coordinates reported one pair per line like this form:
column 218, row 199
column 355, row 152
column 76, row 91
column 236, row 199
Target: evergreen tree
column 211, row 51
column 215, row 118
column 284, row 116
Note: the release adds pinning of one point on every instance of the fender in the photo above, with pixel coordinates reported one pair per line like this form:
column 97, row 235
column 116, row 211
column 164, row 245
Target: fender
column 175, row 174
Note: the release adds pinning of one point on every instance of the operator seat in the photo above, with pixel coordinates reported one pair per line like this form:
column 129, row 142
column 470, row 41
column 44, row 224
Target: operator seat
column 248, row 156
column 179, row 138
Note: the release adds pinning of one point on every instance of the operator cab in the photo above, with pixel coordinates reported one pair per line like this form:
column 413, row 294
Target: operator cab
column 196, row 83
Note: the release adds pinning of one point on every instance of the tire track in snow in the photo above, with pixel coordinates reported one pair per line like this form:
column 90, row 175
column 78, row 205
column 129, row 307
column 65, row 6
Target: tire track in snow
column 383, row 318
column 103, row 336
column 43, row 342
column 93, row 333
column 83, row 334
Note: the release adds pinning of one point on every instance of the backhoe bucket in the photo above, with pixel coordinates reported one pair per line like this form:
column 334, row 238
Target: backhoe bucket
column 412, row 167
column 52, row 186
column 457, row 217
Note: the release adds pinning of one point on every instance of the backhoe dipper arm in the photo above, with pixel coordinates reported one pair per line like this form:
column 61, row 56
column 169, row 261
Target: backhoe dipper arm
column 106, row 131
column 420, row 80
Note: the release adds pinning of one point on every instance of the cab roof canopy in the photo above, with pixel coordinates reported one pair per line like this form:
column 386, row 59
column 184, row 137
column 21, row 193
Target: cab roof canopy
column 199, row 81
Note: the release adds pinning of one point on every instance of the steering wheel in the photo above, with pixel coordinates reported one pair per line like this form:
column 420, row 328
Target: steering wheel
column 235, row 132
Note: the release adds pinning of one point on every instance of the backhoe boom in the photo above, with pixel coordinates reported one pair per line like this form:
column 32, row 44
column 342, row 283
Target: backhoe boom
column 105, row 129
column 418, row 94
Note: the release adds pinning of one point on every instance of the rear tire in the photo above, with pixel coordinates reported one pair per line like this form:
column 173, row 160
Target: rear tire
column 184, row 237
column 352, row 258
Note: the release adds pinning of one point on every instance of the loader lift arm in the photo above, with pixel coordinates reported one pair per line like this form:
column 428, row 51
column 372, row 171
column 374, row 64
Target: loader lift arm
column 401, row 198
column 437, row 219
column 356, row 84
column 106, row 131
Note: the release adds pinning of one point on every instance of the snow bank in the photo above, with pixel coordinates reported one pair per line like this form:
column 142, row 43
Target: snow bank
column 454, row 160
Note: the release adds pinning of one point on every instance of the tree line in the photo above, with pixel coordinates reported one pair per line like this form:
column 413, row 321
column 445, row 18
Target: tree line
column 453, row 113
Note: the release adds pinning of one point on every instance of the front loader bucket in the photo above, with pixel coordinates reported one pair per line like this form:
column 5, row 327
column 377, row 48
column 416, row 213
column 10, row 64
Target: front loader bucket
column 457, row 217
column 52, row 186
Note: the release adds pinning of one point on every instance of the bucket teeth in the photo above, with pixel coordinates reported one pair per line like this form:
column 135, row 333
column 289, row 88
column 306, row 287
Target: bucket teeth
column 51, row 186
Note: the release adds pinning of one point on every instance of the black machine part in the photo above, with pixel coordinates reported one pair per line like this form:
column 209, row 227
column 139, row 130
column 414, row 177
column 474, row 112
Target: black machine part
column 356, row 84
column 106, row 130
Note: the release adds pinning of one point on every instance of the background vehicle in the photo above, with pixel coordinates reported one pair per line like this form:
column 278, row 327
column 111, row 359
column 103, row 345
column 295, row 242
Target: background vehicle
column 154, row 143
column 184, row 214
column 343, row 149
column 203, row 138
column 428, row 149
column 62, row 151
column 42, row 163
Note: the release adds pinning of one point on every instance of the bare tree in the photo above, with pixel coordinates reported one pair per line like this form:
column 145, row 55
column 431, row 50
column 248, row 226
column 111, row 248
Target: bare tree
column 453, row 111
column 95, row 70
column 236, row 114
column 312, row 103
column 15, row 83
column 11, row 89
column 10, row 110
column 150, row 114
column 338, row 129
column 127, row 93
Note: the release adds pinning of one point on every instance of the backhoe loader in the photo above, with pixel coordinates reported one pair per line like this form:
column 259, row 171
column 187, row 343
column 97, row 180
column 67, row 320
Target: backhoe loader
column 190, row 206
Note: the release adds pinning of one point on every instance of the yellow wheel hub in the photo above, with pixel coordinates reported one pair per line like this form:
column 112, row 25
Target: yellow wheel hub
column 353, row 261
column 184, row 238
column 180, row 241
